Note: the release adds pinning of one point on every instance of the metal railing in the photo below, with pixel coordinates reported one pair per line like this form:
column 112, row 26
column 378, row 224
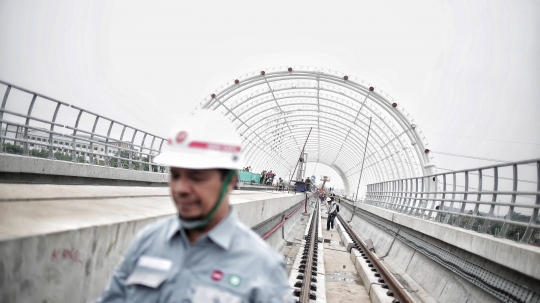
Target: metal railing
column 124, row 146
column 460, row 200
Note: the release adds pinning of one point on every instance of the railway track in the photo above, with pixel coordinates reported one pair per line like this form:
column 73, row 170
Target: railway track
column 310, row 284
column 307, row 279
column 385, row 278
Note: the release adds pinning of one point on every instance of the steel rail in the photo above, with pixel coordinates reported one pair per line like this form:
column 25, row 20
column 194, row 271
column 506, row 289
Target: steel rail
column 388, row 280
column 308, row 265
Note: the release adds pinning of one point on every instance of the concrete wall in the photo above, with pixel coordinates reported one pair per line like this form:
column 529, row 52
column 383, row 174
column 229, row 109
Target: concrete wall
column 75, row 265
column 16, row 169
column 279, row 239
column 429, row 280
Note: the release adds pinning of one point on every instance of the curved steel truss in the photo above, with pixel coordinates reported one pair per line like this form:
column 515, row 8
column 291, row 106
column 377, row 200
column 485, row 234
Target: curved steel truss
column 273, row 111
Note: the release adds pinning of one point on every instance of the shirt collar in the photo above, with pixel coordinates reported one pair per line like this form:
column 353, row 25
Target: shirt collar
column 221, row 234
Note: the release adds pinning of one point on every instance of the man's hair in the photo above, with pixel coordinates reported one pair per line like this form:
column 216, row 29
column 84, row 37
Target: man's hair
column 223, row 172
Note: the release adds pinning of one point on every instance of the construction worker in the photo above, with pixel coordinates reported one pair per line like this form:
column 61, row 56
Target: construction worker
column 203, row 254
column 332, row 213
column 308, row 184
column 281, row 184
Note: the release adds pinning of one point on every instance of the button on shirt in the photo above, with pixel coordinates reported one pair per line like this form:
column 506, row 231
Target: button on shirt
column 230, row 263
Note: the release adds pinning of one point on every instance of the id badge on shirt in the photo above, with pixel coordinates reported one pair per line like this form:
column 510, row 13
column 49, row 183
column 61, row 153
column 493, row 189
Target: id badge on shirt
column 150, row 271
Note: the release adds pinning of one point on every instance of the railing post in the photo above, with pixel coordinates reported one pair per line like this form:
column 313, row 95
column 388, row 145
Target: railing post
column 27, row 123
column 91, row 156
column 477, row 205
column 107, row 158
column 421, row 202
column 463, row 204
column 438, row 218
column 150, row 169
column 120, row 148
column 408, row 195
column 51, row 145
column 487, row 223
column 141, row 150
column 528, row 232
column 451, row 209
column 504, row 228
column 160, row 168
column 131, row 148
column 434, row 200
column 2, row 107
column 74, row 142
column 415, row 197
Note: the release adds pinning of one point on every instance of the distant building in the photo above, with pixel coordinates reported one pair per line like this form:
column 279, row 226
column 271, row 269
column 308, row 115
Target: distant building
column 38, row 139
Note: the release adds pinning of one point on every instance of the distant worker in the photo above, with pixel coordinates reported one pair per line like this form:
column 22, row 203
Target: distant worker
column 332, row 213
column 263, row 177
column 308, row 184
column 271, row 175
column 281, row 184
column 203, row 254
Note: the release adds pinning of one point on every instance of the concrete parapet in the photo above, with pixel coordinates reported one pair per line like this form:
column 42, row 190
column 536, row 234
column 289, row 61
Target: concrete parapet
column 425, row 279
column 523, row 258
column 65, row 250
column 376, row 293
column 23, row 169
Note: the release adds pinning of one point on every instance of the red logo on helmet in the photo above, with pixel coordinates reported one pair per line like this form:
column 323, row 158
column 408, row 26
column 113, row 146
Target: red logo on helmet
column 181, row 137
column 217, row 275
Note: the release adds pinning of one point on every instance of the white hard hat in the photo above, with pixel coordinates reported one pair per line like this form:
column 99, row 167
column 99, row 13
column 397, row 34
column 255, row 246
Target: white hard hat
column 328, row 199
column 204, row 140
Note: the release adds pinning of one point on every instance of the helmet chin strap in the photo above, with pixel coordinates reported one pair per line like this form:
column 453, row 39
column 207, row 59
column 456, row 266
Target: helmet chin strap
column 202, row 223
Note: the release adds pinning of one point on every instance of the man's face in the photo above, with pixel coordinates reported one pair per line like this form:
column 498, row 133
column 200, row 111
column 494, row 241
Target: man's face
column 195, row 191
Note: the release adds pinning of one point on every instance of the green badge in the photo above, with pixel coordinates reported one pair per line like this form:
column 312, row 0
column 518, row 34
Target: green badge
column 235, row 280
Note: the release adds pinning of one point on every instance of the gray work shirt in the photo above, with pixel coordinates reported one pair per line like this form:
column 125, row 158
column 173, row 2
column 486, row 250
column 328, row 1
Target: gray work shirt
column 230, row 263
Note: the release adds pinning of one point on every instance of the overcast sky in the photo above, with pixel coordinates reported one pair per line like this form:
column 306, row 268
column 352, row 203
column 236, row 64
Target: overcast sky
column 467, row 71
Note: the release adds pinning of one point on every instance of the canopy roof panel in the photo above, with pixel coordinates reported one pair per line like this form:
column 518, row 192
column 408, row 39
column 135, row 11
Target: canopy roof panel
column 273, row 111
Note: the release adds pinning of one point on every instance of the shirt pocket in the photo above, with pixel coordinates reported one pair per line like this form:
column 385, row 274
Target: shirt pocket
column 206, row 293
column 139, row 293
column 145, row 281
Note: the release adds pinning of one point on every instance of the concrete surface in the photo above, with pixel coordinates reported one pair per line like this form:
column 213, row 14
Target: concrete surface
column 60, row 243
column 294, row 240
column 343, row 283
column 15, row 168
column 375, row 292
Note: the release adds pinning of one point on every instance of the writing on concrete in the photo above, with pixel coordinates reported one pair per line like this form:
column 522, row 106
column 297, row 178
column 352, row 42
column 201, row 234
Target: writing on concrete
column 67, row 254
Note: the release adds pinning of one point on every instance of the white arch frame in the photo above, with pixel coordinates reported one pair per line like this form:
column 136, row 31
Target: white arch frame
column 273, row 111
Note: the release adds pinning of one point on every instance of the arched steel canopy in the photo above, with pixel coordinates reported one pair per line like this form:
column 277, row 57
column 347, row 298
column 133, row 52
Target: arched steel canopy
column 274, row 109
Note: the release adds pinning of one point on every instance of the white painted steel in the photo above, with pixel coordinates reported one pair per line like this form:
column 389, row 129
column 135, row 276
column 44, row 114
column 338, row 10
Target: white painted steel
column 475, row 209
column 274, row 110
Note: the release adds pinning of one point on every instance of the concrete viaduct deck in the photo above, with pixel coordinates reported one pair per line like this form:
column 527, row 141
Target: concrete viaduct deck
column 64, row 224
column 58, row 239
